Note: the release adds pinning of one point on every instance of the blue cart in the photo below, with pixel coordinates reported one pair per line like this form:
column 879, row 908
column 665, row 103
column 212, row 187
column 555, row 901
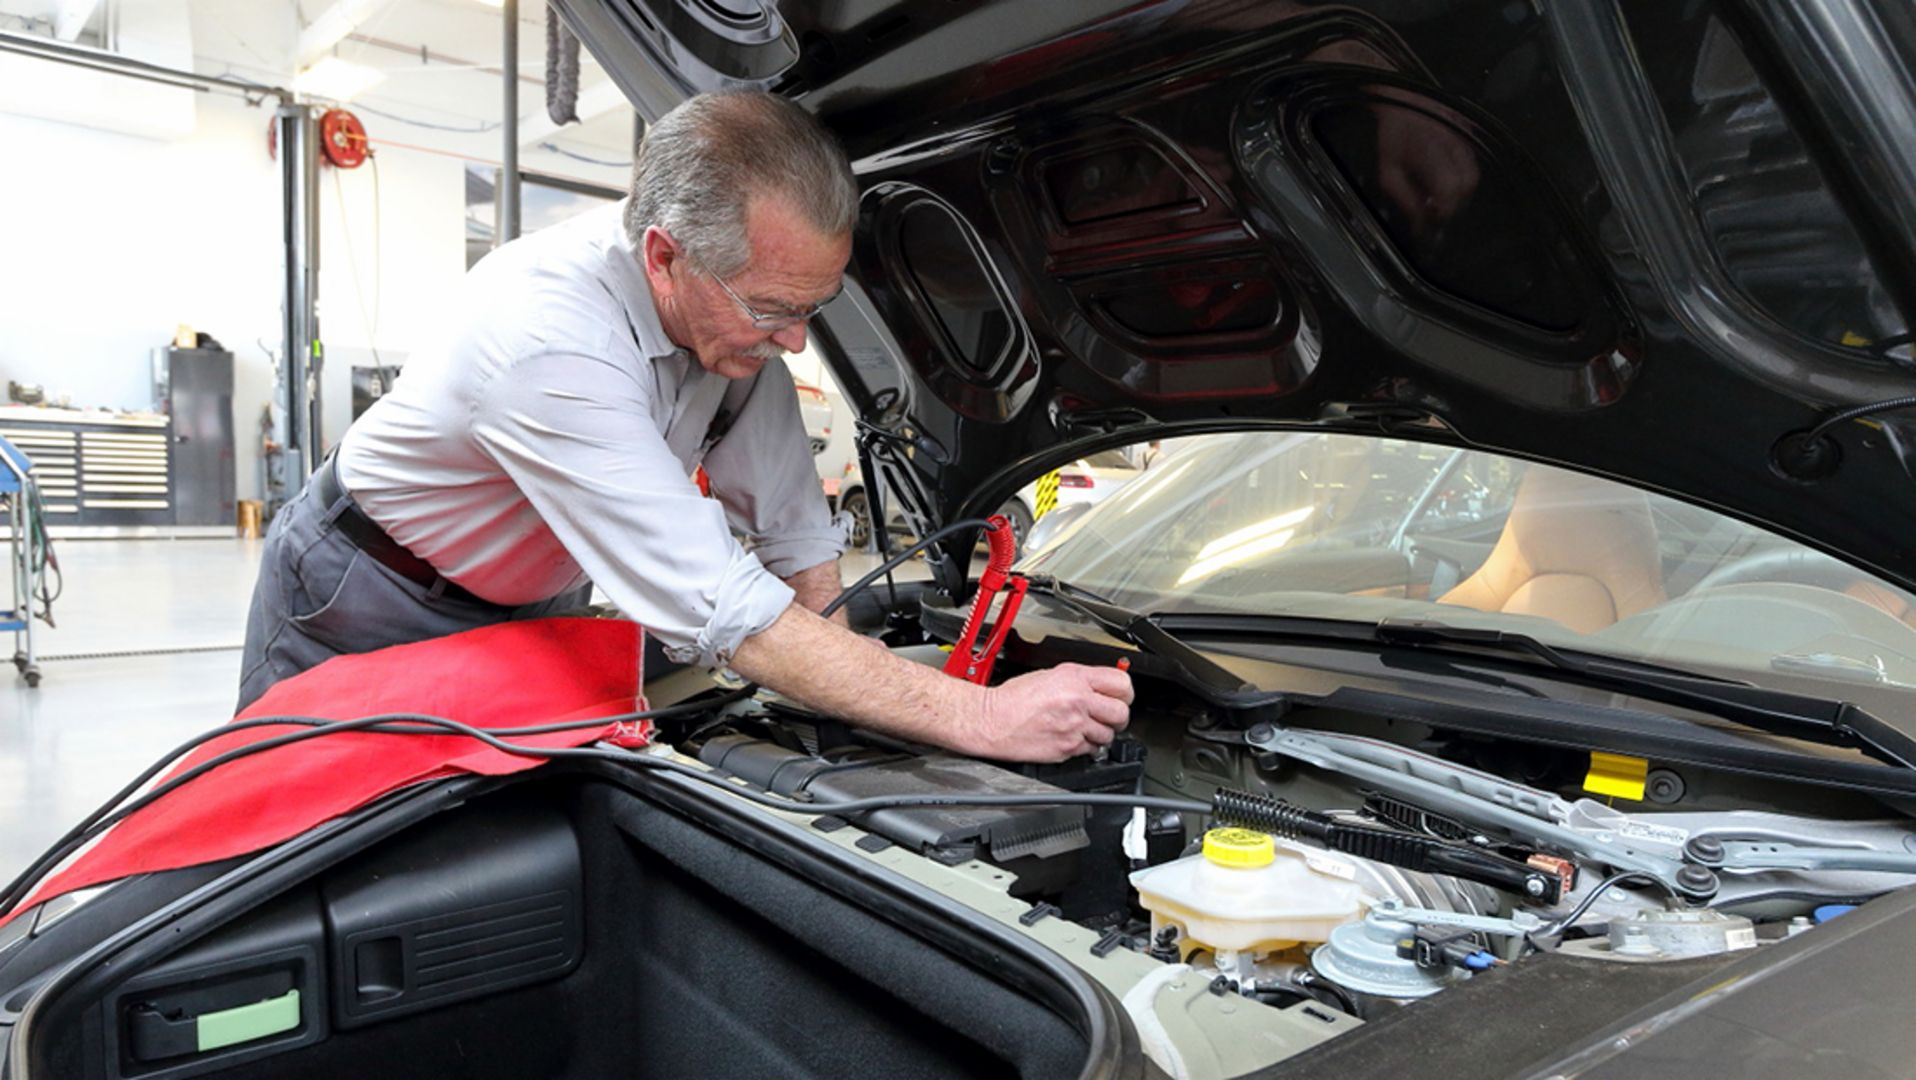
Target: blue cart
column 20, row 500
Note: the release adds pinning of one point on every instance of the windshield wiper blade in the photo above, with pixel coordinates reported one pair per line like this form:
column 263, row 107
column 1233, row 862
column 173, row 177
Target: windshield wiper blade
column 1189, row 667
column 1778, row 712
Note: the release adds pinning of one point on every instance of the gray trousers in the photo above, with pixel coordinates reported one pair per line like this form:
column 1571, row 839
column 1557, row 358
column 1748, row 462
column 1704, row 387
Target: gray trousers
column 319, row 596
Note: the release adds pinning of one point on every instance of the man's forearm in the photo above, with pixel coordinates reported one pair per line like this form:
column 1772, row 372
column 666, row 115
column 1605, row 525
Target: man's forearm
column 818, row 586
column 830, row 669
column 1044, row 715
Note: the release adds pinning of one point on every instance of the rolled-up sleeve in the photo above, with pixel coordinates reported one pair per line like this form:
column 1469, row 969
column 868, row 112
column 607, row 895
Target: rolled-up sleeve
column 763, row 473
column 573, row 432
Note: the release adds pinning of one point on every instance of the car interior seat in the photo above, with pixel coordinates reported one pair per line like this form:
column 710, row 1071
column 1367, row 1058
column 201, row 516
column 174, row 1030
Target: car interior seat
column 1580, row 551
column 1890, row 601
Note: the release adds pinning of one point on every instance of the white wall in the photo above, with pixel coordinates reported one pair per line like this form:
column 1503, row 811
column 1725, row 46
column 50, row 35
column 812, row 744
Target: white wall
column 397, row 266
column 108, row 241
column 155, row 31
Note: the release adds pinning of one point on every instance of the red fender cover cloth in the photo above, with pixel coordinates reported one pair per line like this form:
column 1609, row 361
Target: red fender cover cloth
column 515, row 674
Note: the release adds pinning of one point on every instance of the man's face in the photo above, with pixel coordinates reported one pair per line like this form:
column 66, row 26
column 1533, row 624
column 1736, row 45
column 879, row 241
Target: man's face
column 792, row 267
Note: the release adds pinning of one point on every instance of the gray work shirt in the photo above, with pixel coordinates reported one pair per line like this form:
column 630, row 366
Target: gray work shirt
column 548, row 437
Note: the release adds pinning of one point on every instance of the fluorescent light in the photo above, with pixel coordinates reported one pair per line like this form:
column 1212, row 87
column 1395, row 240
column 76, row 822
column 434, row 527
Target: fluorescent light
column 1161, row 482
column 1246, row 544
column 1204, row 568
column 337, row 79
column 71, row 17
column 1252, row 532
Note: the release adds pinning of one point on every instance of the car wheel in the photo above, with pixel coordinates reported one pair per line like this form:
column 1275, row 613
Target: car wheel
column 1020, row 518
column 855, row 504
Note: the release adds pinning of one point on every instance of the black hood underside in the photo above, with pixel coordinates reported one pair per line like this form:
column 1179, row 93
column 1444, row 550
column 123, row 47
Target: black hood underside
column 1647, row 240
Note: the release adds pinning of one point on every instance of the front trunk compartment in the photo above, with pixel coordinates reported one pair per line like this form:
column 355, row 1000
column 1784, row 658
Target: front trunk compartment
column 588, row 923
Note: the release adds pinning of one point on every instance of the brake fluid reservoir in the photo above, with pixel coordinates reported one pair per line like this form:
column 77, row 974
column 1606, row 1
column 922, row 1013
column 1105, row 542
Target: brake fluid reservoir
column 1247, row 893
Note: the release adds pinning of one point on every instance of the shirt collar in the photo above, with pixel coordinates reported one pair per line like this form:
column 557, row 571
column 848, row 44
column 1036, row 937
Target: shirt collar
column 627, row 279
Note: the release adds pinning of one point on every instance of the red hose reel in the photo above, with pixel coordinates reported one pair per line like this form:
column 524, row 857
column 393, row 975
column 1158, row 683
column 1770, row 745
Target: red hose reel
column 342, row 138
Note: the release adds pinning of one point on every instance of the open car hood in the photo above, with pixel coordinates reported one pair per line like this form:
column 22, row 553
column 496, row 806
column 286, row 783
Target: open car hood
column 1647, row 243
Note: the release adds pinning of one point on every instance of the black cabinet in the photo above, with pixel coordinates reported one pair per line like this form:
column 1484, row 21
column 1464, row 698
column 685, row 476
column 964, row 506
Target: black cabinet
column 194, row 388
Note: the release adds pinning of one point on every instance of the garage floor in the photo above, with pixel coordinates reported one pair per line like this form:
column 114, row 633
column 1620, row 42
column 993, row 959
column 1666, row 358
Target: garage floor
column 146, row 654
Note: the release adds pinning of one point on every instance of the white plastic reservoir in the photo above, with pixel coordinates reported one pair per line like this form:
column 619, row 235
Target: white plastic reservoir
column 1248, row 893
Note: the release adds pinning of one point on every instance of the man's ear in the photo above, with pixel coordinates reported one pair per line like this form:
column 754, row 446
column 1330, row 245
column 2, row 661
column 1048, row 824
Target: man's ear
column 657, row 254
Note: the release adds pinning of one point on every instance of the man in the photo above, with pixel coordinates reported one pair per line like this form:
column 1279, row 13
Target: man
column 545, row 443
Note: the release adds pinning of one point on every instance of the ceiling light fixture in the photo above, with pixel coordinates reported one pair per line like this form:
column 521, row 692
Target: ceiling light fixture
column 336, row 79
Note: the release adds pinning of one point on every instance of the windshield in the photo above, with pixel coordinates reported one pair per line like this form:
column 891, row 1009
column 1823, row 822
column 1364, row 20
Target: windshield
column 1360, row 528
column 1109, row 459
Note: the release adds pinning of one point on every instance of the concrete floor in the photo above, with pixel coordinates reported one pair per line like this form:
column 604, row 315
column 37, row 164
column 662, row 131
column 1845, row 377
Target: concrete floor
column 102, row 712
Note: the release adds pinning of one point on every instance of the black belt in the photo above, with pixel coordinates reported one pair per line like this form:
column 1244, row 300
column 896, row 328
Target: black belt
column 368, row 537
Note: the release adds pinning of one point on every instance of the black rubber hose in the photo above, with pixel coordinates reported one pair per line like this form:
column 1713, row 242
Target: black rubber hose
column 900, row 559
column 440, row 726
column 1846, row 415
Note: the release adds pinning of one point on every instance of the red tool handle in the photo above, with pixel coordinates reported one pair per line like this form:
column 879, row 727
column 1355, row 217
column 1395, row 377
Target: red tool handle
column 969, row 660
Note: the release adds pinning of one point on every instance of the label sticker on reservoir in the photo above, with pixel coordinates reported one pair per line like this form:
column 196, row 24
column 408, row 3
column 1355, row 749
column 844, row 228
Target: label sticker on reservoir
column 1742, row 938
column 1334, row 867
column 1658, row 834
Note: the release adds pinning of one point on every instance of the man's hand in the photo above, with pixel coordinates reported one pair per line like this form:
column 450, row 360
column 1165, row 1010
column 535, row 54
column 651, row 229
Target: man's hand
column 1052, row 715
column 1044, row 716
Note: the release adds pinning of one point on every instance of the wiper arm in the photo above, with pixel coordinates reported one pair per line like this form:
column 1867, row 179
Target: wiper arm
column 1190, row 668
column 1778, row 712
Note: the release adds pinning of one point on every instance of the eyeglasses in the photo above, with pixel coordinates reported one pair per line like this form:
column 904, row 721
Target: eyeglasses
column 762, row 321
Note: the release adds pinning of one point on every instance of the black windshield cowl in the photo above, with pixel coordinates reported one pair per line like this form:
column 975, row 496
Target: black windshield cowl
column 1797, row 716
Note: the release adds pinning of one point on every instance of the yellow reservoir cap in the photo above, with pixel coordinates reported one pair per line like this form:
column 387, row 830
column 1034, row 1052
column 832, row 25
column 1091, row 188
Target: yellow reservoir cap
column 1241, row 848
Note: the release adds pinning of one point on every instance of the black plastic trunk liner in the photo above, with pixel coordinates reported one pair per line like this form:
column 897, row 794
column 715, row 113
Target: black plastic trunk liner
column 770, row 975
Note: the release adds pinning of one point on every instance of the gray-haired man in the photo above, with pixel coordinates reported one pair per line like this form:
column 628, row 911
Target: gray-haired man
column 545, row 443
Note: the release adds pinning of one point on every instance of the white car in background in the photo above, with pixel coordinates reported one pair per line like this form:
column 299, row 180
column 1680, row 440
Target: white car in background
column 1088, row 480
column 816, row 409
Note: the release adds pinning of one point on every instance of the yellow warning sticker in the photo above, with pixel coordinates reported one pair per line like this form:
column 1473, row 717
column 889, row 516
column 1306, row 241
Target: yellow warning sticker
column 1616, row 774
column 1046, row 499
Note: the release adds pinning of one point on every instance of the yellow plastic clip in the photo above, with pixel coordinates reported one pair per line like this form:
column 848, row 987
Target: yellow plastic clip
column 1616, row 774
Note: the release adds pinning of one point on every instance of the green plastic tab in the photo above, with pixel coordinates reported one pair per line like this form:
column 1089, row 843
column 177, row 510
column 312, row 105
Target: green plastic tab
column 249, row 1022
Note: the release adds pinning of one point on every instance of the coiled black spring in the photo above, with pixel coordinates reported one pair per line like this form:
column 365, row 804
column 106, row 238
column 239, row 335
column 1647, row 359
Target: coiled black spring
column 1265, row 814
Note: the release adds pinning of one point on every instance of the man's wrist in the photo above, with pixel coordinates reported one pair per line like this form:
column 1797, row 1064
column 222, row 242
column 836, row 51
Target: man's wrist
column 975, row 720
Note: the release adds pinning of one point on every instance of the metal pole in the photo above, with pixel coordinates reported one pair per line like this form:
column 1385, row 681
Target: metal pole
column 301, row 359
column 113, row 63
column 509, row 161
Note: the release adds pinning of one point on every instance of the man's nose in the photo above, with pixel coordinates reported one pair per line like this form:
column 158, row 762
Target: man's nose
column 791, row 338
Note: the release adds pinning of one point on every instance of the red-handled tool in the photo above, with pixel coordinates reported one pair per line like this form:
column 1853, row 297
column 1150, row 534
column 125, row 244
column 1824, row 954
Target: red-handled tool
column 969, row 660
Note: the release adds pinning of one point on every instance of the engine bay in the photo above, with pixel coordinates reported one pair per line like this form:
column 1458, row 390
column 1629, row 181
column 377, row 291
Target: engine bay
column 1333, row 884
column 1354, row 866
